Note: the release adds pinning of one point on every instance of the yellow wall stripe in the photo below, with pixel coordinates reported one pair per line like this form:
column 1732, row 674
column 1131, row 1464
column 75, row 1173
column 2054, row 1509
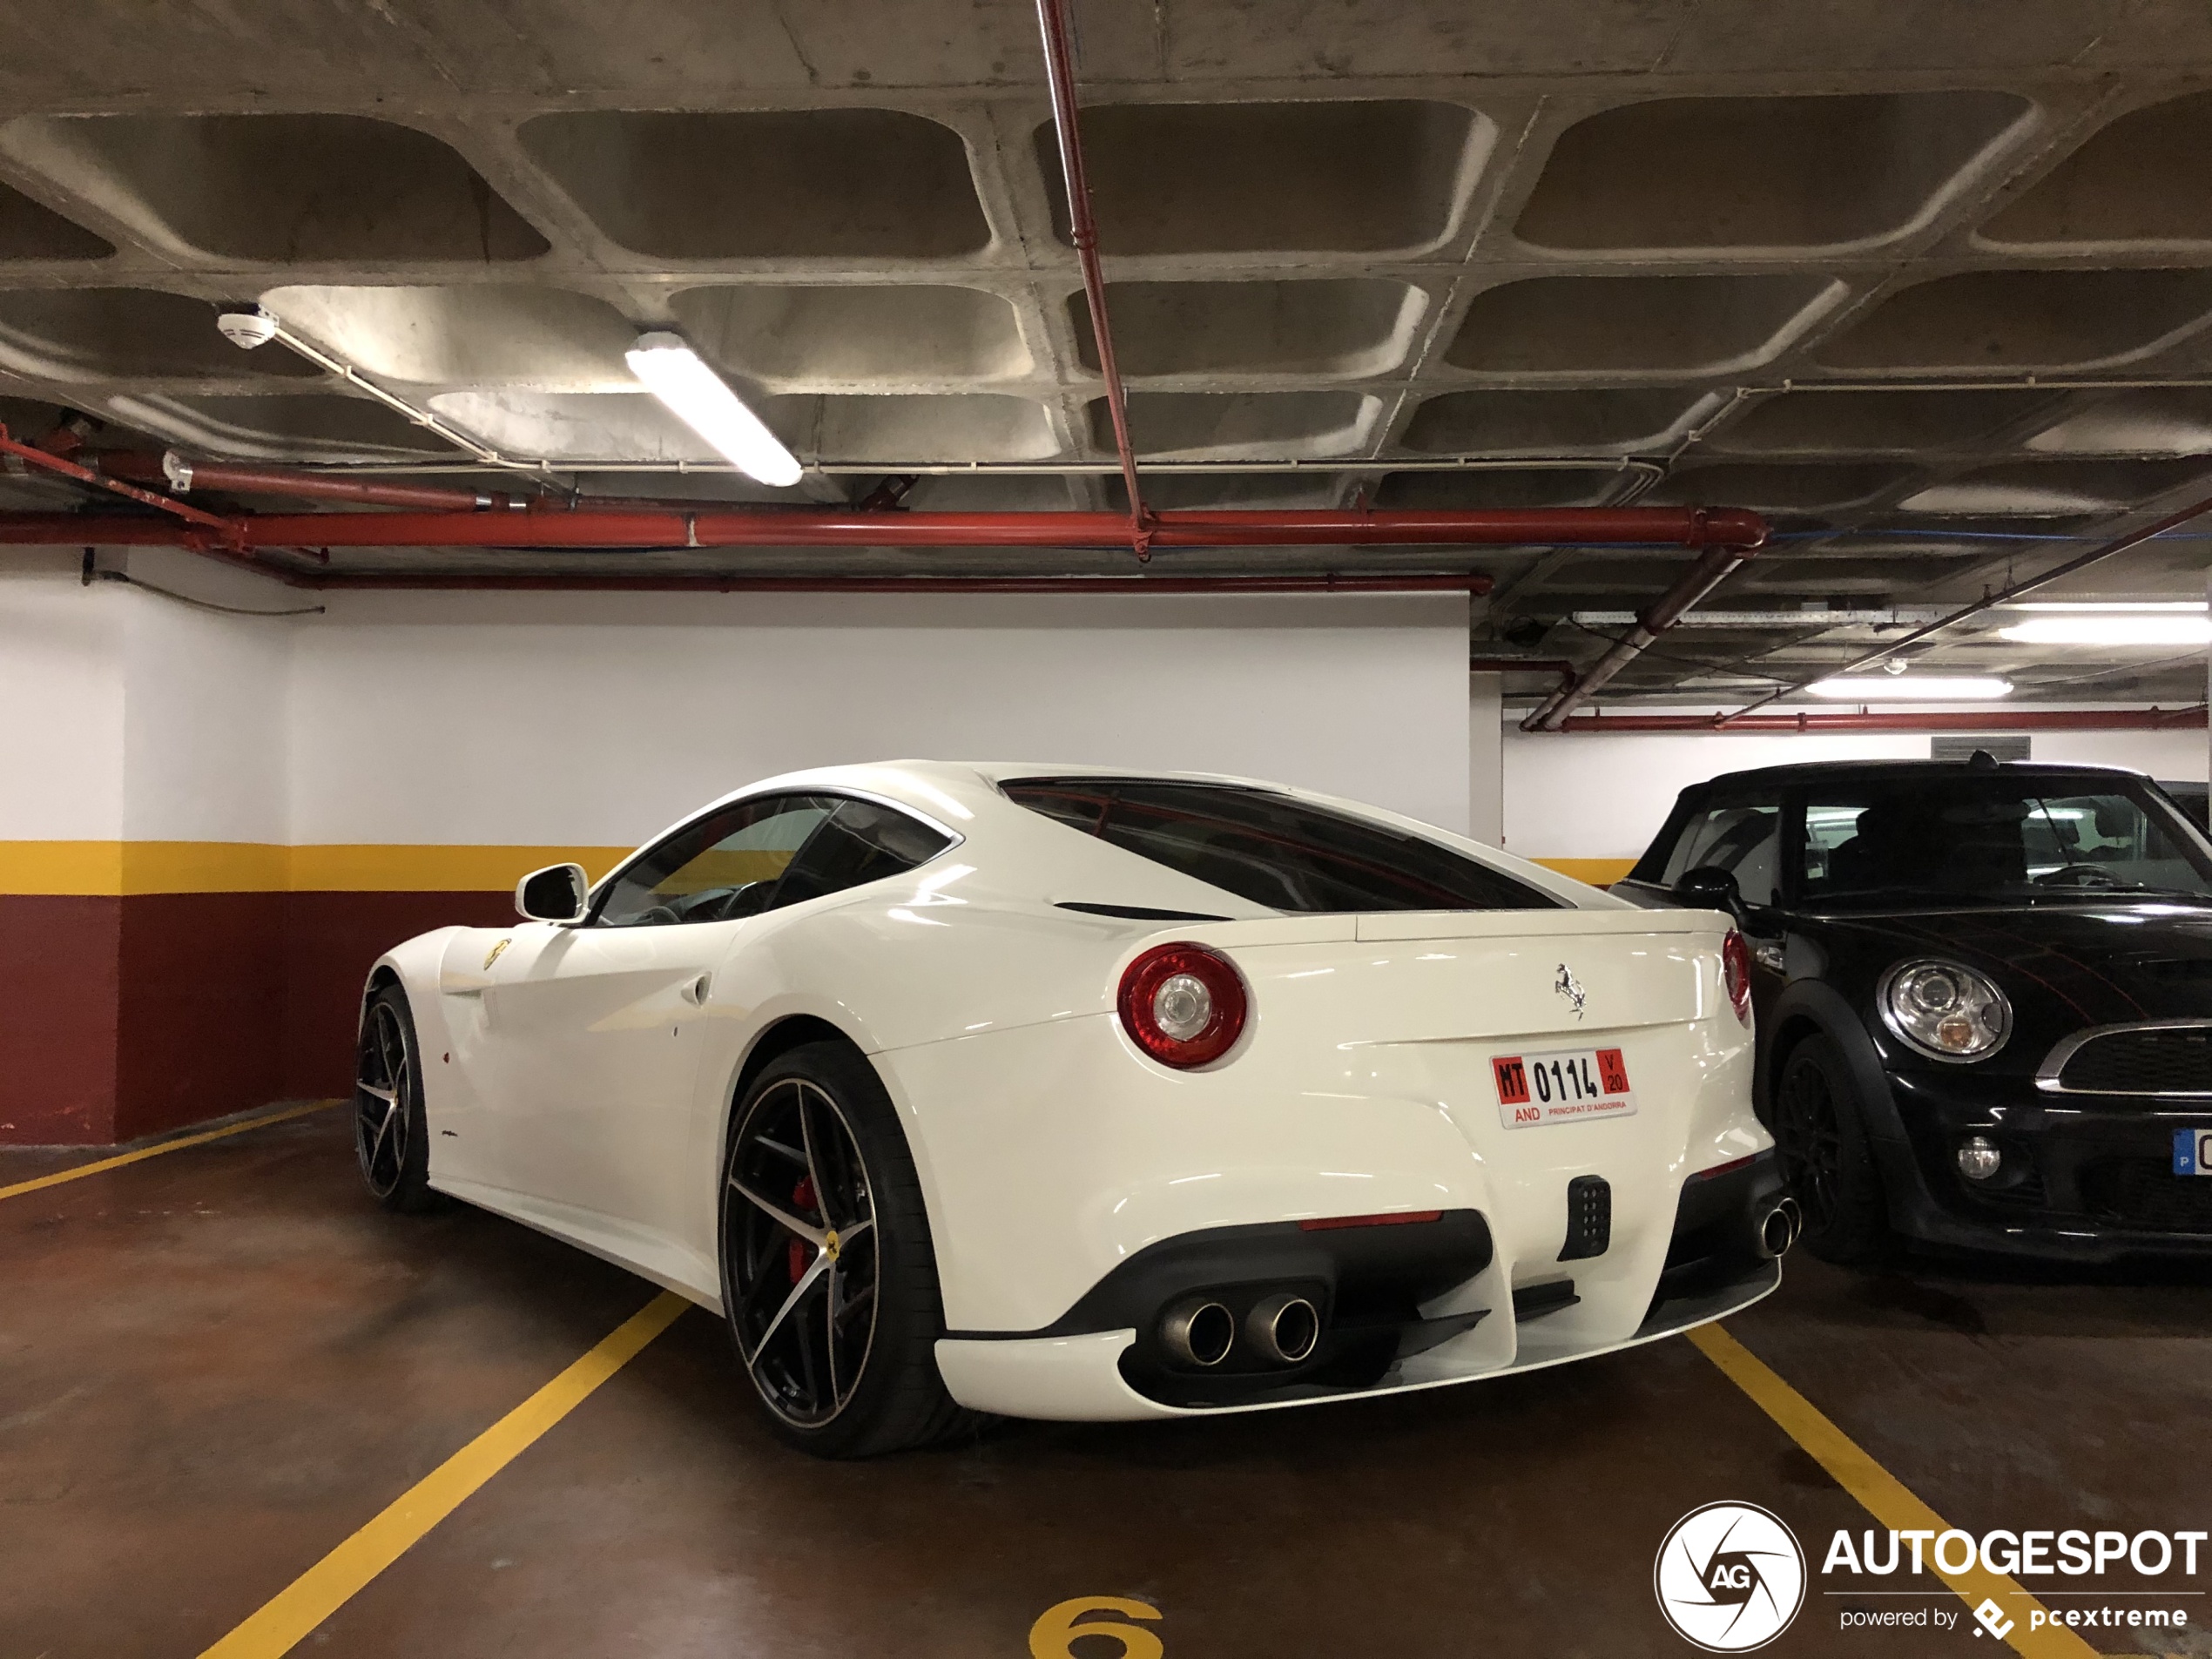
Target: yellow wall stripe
column 112, row 869
column 1881, row 1493
column 1599, row 873
column 144, row 1152
column 435, row 869
column 334, row 1581
column 61, row 867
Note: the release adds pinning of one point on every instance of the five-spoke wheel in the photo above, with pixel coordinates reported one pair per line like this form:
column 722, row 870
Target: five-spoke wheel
column 828, row 1277
column 388, row 1130
column 802, row 1252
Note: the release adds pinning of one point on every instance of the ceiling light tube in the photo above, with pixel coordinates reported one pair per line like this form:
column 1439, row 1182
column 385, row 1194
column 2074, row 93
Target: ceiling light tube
column 2112, row 628
column 2087, row 606
column 1911, row 688
column 673, row 372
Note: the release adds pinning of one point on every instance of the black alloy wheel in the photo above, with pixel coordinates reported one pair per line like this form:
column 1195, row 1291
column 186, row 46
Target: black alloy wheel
column 391, row 1138
column 827, row 1274
column 1827, row 1164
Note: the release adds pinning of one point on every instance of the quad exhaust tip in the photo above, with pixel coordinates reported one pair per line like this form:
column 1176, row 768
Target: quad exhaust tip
column 1779, row 1227
column 1283, row 1329
column 1198, row 1332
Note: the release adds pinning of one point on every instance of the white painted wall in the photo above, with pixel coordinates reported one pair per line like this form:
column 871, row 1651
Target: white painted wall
column 594, row 719
column 61, row 702
column 205, row 721
column 1486, row 760
column 2177, row 755
column 1584, row 795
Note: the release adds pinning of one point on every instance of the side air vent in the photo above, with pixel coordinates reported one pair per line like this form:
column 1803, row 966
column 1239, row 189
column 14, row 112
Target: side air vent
column 1136, row 911
column 1589, row 1218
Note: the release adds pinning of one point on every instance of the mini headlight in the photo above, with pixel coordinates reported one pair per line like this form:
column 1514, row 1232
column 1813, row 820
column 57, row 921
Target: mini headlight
column 1944, row 1010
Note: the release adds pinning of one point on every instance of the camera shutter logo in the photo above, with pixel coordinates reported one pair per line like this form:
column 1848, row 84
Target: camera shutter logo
column 1729, row 1577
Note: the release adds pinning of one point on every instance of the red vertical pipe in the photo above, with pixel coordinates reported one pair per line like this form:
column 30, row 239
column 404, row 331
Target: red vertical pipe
column 1082, row 230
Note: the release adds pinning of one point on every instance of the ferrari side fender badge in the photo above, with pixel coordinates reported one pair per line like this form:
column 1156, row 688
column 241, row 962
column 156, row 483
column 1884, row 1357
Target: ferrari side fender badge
column 492, row 955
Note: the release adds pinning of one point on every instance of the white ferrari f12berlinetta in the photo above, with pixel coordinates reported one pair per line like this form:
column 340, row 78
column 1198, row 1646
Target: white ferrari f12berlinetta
column 1059, row 1092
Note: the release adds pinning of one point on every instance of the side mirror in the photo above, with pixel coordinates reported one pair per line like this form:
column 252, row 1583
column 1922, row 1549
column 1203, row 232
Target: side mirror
column 1710, row 887
column 558, row 893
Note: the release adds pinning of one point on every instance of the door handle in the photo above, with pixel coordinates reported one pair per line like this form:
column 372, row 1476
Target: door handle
column 694, row 993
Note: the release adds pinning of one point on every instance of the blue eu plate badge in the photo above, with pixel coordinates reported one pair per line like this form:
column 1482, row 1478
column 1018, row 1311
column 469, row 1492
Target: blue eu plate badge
column 2192, row 1151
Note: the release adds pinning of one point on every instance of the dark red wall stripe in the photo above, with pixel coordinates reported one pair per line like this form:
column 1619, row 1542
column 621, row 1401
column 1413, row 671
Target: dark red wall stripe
column 60, row 976
column 125, row 1016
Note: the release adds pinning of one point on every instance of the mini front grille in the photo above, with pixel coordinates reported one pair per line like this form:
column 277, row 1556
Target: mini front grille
column 2145, row 1194
column 2158, row 1060
column 1589, row 1218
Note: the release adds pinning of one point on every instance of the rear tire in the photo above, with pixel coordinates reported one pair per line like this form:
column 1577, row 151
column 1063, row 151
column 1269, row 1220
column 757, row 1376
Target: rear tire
column 391, row 1133
column 828, row 1275
column 1827, row 1161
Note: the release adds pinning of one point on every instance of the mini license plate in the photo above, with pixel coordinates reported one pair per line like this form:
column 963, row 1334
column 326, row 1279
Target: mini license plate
column 2192, row 1151
column 1563, row 1086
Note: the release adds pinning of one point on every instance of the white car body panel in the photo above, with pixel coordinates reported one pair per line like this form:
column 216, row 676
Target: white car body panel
column 580, row 1080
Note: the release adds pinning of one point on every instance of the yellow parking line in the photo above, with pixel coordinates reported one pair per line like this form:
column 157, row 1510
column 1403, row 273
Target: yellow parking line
column 181, row 1142
column 334, row 1581
column 1881, row 1493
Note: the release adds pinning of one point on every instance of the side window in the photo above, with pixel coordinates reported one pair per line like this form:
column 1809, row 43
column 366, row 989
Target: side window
column 861, row 842
column 1743, row 840
column 723, row 867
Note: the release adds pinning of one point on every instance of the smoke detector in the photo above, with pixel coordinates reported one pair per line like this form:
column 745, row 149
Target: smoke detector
column 247, row 328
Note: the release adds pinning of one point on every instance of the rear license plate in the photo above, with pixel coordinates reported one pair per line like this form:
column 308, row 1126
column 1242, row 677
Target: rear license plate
column 1564, row 1086
column 2192, row 1151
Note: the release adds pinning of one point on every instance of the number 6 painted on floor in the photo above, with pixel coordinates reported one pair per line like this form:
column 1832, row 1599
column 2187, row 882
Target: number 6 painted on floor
column 1052, row 1635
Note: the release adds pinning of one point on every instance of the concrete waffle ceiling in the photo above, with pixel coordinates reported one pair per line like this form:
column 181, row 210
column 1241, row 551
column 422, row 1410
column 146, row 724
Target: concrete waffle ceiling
column 1931, row 289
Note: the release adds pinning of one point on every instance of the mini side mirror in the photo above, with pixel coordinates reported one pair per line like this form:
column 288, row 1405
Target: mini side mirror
column 558, row 893
column 1710, row 887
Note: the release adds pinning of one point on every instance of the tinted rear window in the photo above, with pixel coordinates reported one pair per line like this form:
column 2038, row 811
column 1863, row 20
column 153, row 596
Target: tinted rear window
column 1273, row 850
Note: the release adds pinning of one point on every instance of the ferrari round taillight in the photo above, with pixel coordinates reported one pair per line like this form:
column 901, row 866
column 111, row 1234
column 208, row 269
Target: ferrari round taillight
column 1736, row 970
column 1183, row 1004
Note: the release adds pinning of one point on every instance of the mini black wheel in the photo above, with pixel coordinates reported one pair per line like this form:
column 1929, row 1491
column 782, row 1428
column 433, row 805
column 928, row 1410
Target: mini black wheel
column 827, row 1272
column 1827, row 1163
column 391, row 1136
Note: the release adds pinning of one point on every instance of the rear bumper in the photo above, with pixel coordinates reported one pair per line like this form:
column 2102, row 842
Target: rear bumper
column 2089, row 1178
column 1080, row 1379
column 1405, row 1306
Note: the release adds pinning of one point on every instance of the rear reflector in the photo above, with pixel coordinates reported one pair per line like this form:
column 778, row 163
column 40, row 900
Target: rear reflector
column 1723, row 1169
column 1323, row 1224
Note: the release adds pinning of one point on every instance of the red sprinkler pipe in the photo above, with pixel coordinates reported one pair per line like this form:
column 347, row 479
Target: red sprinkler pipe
column 1082, row 230
column 2151, row 720
column 54, row 463
column 174, row 472
column 733, row 584
column 1705, row 573
column 551, row 527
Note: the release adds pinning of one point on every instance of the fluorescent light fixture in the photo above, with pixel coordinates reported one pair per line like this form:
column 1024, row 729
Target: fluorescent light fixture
column 2114, row 628
column 1911, row 688
column 2085, row 607
column 673, row 372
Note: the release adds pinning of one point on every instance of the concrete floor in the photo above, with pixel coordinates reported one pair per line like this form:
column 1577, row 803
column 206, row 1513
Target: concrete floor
column 216, row 1364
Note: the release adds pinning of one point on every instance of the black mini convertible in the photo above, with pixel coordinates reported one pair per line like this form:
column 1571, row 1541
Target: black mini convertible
column 1984, row 995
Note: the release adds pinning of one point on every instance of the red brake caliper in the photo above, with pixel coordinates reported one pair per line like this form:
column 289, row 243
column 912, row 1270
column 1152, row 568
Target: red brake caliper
column 802, row 1199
